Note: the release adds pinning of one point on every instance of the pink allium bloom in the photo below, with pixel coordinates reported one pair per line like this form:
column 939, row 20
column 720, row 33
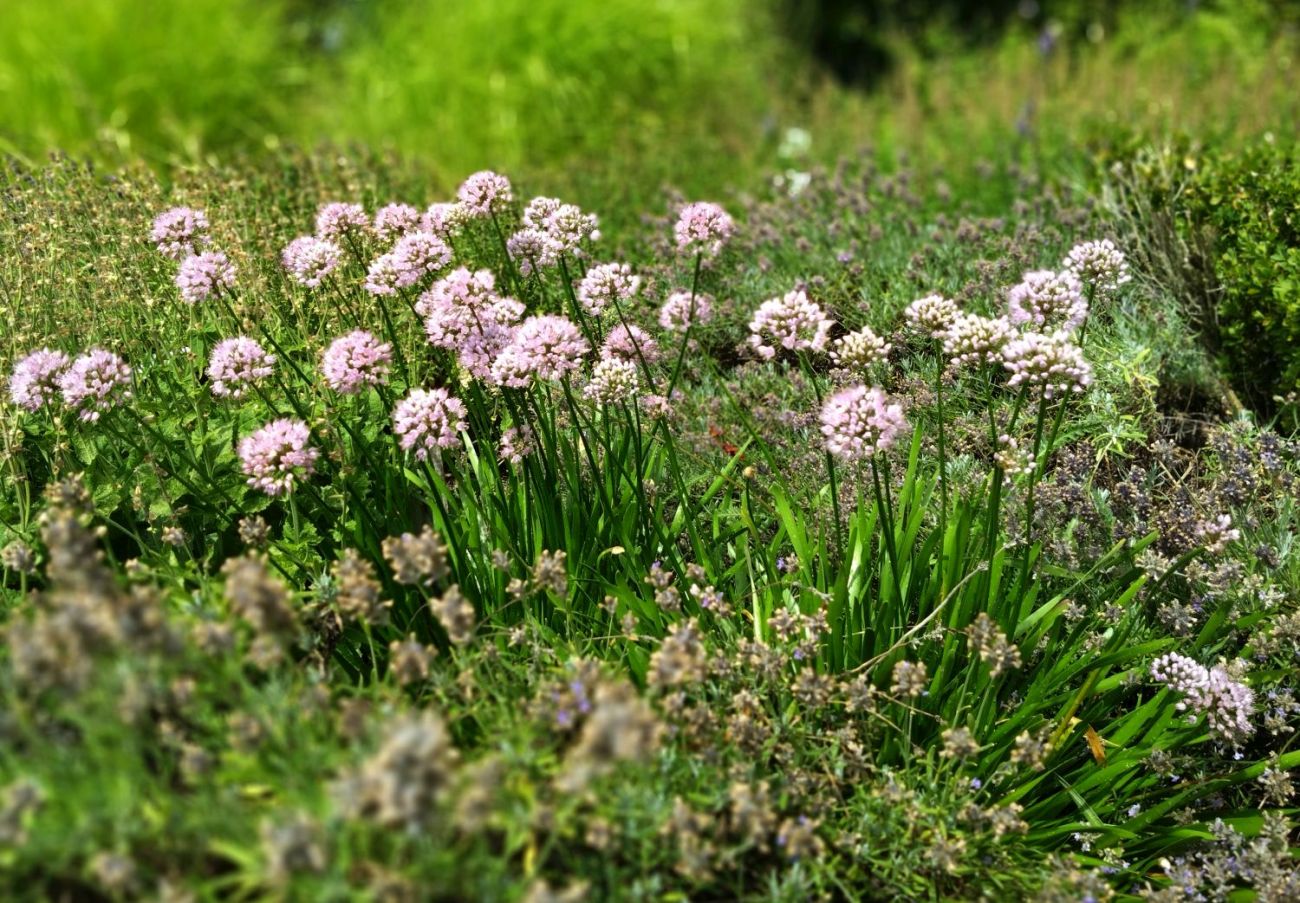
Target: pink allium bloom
column 1047, row 300
column 792, row 321
column 1099, row 265
column 34, row 381
column 517, row 443
column 278, row 456
column 972, row 339
column 630, row 343
column 1051, row 363
column 236, row 364
column 355, row 361
column 859, row 422
column 464, row 315
column 568, row 227
column 180, row 232
column 392, row 221
column 202, row 276
column 681, row 311
column 384, row 275
column 532, row 249
column 544, row 347
column 337, row 220
column 418, row 255
column 859, row 350
column 613, row 380
column 607, row 284
column 538, row 210
column 310, row 260
column 94, row 383
column 703, row 228
column 1227, row 704
column 931, row 315
column 484, row 192
column 443, row 219
column 428, row 419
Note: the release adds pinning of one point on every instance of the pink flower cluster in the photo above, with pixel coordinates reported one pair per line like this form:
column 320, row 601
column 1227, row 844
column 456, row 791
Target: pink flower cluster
column 792, row 321
column 1099, row 265
column 415, row 257
column 1050, row 363
column 392, row 221
column 1227, row 704
column 464, row 315
column 337, row 220
column 94, row 382
column 682, row 310
column 931, row 315
column 613, row 380
column 202, row 276
column 630, row 342
column 427, row 420
column 859, row 350
column 544, row 347
column 34, row 381
column 484, row 192
column 355, row 361
column 703, row 228
column 858, row 422
column 278, row 456
column 443, row 219
column 973, row 340
column 606, row 284
column 310, row 260
column 237, row 364
column 1048, row 300
column 180, row 232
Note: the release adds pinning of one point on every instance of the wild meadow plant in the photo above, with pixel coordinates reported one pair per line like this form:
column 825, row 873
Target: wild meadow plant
column 391, row 568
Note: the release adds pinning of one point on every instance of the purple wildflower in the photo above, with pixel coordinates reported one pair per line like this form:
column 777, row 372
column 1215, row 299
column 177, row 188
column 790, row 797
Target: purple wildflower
column 517, row 443
column 418, row 255
column 94, row 383
column 310, row 260
column 683, row 310
column 1226, row 703
column 384, row 275
column 392, row 221
column 1048, row 300
column 703, row 228
column 337, row 220
column 464, row 315
column 545, row 347
column 630, row 343
column 34, row 381
column 355, row 361
column 236, row 364
column 792, row 321
column 202, row 276
column 858, row 422
column 532, row 249
column 606, row 284
column 443, row 219
column 483, row 192
column 428, row 419
column 1051, row 363
column 278, row 456
column 180, row 232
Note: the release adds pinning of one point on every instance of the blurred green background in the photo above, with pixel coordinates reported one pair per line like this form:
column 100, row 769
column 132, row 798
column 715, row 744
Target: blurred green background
column 618, row 97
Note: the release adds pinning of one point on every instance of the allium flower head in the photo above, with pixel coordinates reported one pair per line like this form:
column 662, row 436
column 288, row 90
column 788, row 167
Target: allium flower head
column 538, row 210
column 1051, row 363
column 464, row 315
column 34, row 381
column 859, row 350
column 384, row 275
column 180, row 232
column 1048, row 300
column 1099, row 265
column 1227, row 704
column 613, row 380
column 545, row 347
column 418, row 255
column 278, row 456
column 484, row 192
column 310, row 260
column 682, row 311
column 931, row 315
column 428, row 419
column 631, row 343
column 973, row 340
column 703, row 228
column 517, row 442
column 355, row 361
column 607, row 284
column 1217, row 534
column 202, row 276
column 392, row 221
column 337, row 220
column 858, row 422
column 792, row 321
column 236, row 364
column 443, row 219
column 94, row 383
column 532, row 249
column 568, row 228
